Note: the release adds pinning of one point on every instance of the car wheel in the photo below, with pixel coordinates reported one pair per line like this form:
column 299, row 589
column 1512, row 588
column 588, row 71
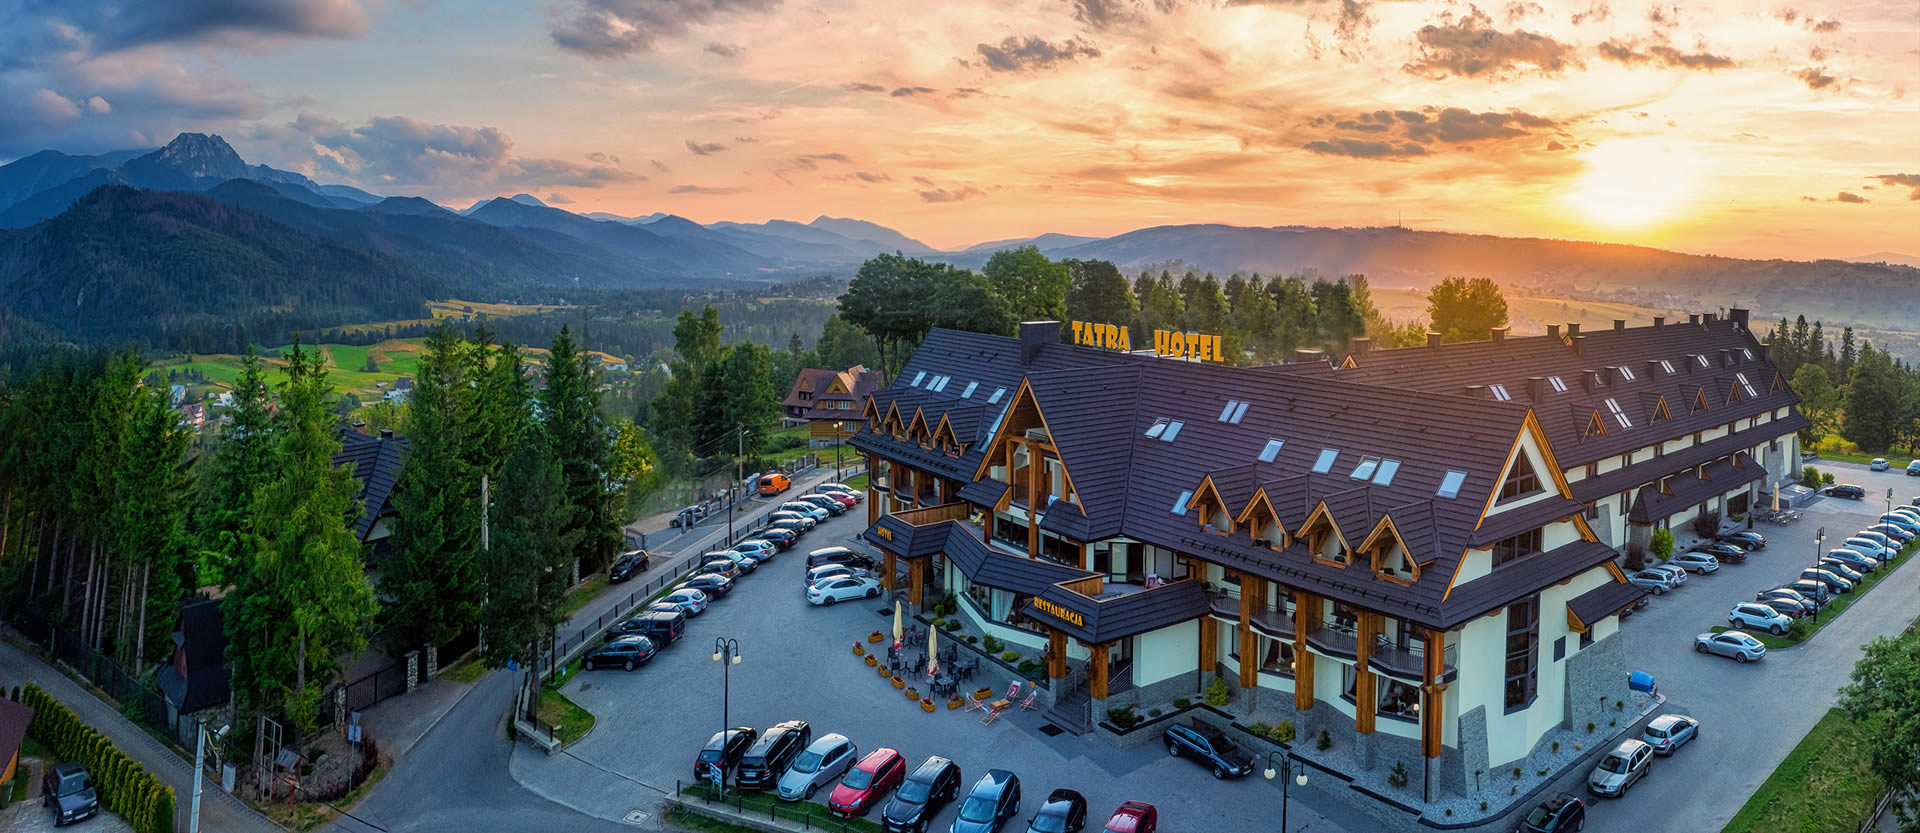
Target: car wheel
column 1580, row 823
column 1173, row 750
column 629, row 665
column 1778, row 631
column 1659, row 590
column 1740, row 657
column 829, row 601
column 872, row 592
column 1219, row 774
column 810, row 789
column 1699, row 648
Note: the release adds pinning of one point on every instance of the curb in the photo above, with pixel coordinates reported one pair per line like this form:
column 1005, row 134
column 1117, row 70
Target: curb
column 1905, row 558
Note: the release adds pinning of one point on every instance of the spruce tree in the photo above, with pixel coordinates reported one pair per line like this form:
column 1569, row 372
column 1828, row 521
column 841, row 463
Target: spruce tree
column 240, row 465
column 429, row 586
column 532, row 545
column 149, row 518
column 570, row 409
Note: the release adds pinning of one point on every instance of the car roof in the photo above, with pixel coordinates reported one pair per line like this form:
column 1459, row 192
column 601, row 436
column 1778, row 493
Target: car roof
column 1063, row 794
column 996, row 779
column 878, row 757
column 1668, row 720
column 1627, row 746
column 831, row 551
column 930, row 767
column 70, row 768
column 827, row 741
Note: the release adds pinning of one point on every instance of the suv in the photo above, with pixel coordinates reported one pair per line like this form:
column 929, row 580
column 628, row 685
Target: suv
column 832, row 506
column 867, row 782
column 661, row 627
column 934, row 783
column 1621, row 768
column 839, row 555
column 993, row 799
column 804, row 521
column 1134, row 817
column 1879, row 464
column 770, row 756
column 823, row 761
column 629, row 565
column 721, row 564
column 815, row 512
column 68, row 789
column 722, row 753
column 627, row 652
column 1210, row 746
column 1845, row 490
column 745, row 562
column 1760, row 617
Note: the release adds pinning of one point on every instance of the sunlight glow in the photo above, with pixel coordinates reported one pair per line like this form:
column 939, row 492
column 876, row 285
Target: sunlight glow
column 1636, row 182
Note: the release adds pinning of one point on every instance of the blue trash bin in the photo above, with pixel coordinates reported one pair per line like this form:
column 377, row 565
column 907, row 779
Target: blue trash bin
column 1641, row 681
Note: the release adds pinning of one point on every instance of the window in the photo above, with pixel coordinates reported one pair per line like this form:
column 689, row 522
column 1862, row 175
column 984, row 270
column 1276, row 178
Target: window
column 1586, row 638
column 1523, row 650
column 1384, row 475
column 1559, row 649
column 1558, row 386
column 1239, row 413
column 1173, row 430
column 939, row 384
column 1366, row 467
column 1180, row 503
column 1325, row 463
column 995, row 398
column 1271, row 451
column 1666, row 366
column 1500, row 393
column 1702, row 359
column 916, row 379
column 1748, row 354
column 1520, row 481
column 1519, row 546
column 1450, row 485
column 1744, row 384
column 1619, row 415
column 1158, row 427
column 1626, row 373
column 1226, row 413
column 968, row 393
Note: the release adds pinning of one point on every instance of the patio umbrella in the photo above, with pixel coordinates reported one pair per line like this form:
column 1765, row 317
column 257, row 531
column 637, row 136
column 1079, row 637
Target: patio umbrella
column 1776, row 497
column 933, row 651
column 898, row 631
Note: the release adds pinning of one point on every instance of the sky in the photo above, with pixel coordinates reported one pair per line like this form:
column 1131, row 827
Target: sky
column 1750, row 129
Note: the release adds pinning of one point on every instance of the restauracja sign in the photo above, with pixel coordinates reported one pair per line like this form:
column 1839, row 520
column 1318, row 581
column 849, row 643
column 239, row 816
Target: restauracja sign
column 1059, row 612
column 1180, row 345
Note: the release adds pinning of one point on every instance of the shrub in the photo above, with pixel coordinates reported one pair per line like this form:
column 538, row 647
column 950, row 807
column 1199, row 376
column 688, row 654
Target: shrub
column 939, row 622
column 972, row 640
column 1516, row 772
column 1217, row 692
column 1612, row 722
column 1282, row 731
column 1398, row 775
column 1483, row 808
column 1826, row 478
column 1661, row 544
column 1325, row 742
column 1619, row 705
column 1589, row 727
column 1810, row 477
column 1260, row 729
column 954, row 625
column 1010, row 656
column 1556, row 746
column 1540, row 772
column 1153, row 712
column 992, row 644
column 1706, row 524
column 1181, row 702
column 1027, row 666
column 1123, row 717
column 125, row 789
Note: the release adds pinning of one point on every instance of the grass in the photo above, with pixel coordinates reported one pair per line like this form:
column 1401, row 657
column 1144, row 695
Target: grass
column 579, row 596
column 762, row 803
column 857, row 482
column 682, row 817
column 1806, row 628
column 1892, row 457
column 1825, row 783
column 467, row 670
column 18, row 786
column 569, row 721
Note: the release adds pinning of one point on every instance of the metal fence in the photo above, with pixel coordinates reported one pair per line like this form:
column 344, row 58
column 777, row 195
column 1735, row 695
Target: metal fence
column 807, row 813
column 138, row 701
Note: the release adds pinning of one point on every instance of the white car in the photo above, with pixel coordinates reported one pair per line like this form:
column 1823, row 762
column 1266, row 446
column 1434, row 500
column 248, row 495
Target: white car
column 1867, row 547
column 832, row 590
column 1695, row 562
column 816, row 513
column 1737, row 644
column 842, row 488
column 1759, row 617
column 688, row 598
column 1679, row 575
column 1878, row 538
column 806, row 522
column 826, row 571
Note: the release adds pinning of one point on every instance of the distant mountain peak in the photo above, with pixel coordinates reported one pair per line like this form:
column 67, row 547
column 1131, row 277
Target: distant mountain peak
column 527, row 199
column 872, row 233
column 199, row 155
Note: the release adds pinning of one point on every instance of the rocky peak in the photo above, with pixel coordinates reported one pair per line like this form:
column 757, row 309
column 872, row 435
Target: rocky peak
column 200, row 155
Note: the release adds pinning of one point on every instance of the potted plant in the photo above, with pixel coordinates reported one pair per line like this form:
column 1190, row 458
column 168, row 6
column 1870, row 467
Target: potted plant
column 885, row 673
column 956, row 701
column 913, row 693
column 871, row 662
column 926, row 704
column 899, row 683
column 858, row 649
column 876, row 636
column 985, row 692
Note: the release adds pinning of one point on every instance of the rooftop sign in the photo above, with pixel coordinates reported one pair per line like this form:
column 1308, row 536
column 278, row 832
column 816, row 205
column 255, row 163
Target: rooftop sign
column 1059, row 612
column 1196, row 346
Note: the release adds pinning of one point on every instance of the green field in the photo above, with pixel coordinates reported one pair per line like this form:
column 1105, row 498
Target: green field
column 345, row 363
column 1825, row 783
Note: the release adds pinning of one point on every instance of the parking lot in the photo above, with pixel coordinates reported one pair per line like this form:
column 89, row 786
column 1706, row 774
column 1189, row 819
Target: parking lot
column 798, row 664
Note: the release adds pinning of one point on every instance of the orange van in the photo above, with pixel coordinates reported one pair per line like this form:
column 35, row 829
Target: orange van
column 775, row 483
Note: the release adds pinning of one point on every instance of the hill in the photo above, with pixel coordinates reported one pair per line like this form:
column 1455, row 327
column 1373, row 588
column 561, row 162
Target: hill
column 888, row 239
column 654, row 252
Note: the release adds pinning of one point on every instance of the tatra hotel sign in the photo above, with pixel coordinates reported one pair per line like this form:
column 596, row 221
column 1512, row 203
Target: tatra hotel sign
column 1054, row 610
column 1199, row 346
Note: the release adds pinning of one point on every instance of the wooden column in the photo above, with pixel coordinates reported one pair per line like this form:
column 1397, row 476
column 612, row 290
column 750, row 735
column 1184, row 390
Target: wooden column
column 1250, row 588
column 1431, row 713
column 1364, row 699
column 887, row 567
column 873, row 494
column 1033, row 502
column 1306, row 614
column 1097, row 674
column 1056, row 654
column 916, row 580
column 1209, row 643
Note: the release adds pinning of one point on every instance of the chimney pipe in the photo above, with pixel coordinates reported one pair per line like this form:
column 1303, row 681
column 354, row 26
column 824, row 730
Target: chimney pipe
column 1707, row 318
column 1573, row 329
column 1579, row 345
column 1553, row 330
column 1659, row 321
column 1034, row 335
column 1302, row 355
column 1433, row 339
column 1653, row 368
column 1619, row 324
column 1536, row 387
column 1610, row 375
column 1589, row 380
column 1726, row 357
column 1739, row 317
column 1359, row 345
column 1693, row 363
column 1766, row 352
column 386, row 433
column 1477, row 391
column 1693, row 318
column 1499, row 334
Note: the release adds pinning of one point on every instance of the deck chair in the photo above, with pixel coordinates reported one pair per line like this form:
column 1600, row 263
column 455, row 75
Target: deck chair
column 973, row 703
column 1013, row 690
column 1028, row 703
column 992, row 715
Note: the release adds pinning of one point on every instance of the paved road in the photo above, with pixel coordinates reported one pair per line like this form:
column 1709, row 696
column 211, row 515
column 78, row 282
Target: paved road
column 218, row 810
column 1751, row 715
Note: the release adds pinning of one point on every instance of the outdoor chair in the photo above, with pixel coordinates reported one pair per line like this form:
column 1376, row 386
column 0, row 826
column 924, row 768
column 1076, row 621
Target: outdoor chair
column 975, row 703
column 1013, row 690
column 992, row 715
column 1028, row 703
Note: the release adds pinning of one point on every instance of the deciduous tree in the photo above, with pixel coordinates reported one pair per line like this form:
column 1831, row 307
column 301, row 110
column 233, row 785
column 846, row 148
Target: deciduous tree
column 1466, row 309
column 1034, row 286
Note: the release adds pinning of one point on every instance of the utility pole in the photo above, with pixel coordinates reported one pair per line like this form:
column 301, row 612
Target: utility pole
column 739, row 474
column 199, row 755
column 486, row 551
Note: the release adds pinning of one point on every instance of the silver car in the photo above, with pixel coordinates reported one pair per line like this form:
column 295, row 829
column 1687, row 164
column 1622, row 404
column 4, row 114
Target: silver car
column 1679, row 575
column 824, row 761
column 1669, row 732
column 1621, row 768
column 1696, row 562
column 1659, row 581
column 1737, row 644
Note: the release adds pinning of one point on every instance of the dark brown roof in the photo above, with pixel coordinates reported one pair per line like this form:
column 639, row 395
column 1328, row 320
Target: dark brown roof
column 1604, row 601
column 1627, row 477
column 858, row 380
column 14, row 719
column 376, row 462
column 1123, row 615
column 1686, row 490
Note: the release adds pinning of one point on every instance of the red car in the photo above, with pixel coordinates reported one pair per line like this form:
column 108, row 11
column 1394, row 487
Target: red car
column 841, row 498
column 1134, row 817
column 867, row 782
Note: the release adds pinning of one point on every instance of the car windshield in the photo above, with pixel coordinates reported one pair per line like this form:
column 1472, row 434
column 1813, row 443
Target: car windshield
column 808, row 761
column 857, row 779
column 1538, row 818
column 1613, row 763
column 1222, row 745
column 915, row 792
column 977, row 808
column 753, row 760
column 1050, row 822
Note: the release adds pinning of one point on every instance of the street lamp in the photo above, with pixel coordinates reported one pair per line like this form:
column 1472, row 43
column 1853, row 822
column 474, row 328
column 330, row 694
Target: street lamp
column 727, row 653
column 1819, row 546
column 1288, row 770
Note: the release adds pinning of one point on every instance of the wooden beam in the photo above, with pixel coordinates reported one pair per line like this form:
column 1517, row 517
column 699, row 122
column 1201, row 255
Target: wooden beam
column 1249, row 646
column 1033, row 502
column 1056, row 654
column 873, row 494
column 1431, row 713
column 1306, row 612
column 888, row 564
column 1364, row 699
column 1097, row 676
column 916, row 580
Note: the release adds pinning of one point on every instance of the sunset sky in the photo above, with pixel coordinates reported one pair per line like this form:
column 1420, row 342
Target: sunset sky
column 1742, row 128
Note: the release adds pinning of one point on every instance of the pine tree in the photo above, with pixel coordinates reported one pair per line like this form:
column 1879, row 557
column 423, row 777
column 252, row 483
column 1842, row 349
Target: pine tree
column 570, row 407
column 149, row 518
column 533, row 543
column 429, row 587
column 240, row 466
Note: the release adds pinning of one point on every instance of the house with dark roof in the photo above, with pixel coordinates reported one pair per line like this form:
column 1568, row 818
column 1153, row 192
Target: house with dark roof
column 829, row 402
column 14, row 720
column 376, row 462
column 1418, row 548
column 195, row 678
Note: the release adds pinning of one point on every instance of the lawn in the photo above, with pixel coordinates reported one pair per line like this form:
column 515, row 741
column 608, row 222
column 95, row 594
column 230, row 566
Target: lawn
column 766, row 804
column 857, row 482
column 568, row 720
column 1825, row 783
column 1806, row 628
column 579, row 596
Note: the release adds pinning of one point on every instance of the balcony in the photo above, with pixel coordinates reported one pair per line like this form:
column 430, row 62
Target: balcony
column 1336, row 638
column 934, row 514
column 1273, row 622
column 1410, row 663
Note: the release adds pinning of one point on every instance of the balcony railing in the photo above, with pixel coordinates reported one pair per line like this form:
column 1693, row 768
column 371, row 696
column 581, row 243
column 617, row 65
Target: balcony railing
column 1336, row 637
column 1274, row 622
column 1410, row 663
column 934, row 514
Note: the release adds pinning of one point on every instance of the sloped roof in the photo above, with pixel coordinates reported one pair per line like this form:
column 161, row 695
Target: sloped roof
column 1124, row 615
column 1627, row 477
column 857, row 380
column 202, row 638
column 376, row 462
column 14, row 719
column 1684, row 491
column 1604, row 601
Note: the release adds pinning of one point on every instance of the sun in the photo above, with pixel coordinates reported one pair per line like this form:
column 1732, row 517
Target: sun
column 1634, row 183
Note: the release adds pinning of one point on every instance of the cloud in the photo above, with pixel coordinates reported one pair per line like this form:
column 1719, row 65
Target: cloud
column 899, row 92
column 965, row 92
column 1902, row 180
column 955, row 195
column 107, row 26
column 1823, row 26
column 1101, row 14
column 924, row 181
column 557, row 198
column 603, row 158
column 621, row 28
column 1032, row 53
column 704, row 189
column 1470, row 47
column 38, row 111
column 1517, row 10
column 1452, row 125
column 1789, row 15
column 98, row 106
column 1596, row 12
column 726, row 50
column 1816, row 78
column 745, row 140
column 706, row 148
column 1848, row 196
column 1365, row 149
column 863, row 87
column 659, row 166
column 398, row 150
column 1626, row 52
column 863, row 176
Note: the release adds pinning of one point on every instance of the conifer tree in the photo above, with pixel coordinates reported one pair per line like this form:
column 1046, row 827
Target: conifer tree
column 239, row 467
column 570, row 411
column 429, row 587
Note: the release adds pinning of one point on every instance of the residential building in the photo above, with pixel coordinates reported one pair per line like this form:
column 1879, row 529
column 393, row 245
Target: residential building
column 14, row 720
column 376, row 462
column 195, row 678
column 829, row 402
column 1400, row 556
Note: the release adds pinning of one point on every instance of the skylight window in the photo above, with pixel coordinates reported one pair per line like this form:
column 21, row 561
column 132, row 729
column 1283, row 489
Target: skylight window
column 1226, row 413
column 1744, row 384
column 995, row 398
column 968, row 393
column 1748, row 354
column 1173, row 430
column 1180, row 503
column 1158, row 427
column 916, row 379
column 1366, row 467
column 1500, row 393
column 1450, row 485
column 1325, row 463
column 1702, row 359
column 1558, row 386
column 939, row 384
column 1666, row 365
column 1619, row 415
column 1271, row 451
column 1239, row 413
column 1384, row 476
column 1626, row 373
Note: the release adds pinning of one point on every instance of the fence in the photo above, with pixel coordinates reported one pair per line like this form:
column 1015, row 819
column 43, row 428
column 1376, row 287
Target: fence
column 806, row 813
column 139, row 702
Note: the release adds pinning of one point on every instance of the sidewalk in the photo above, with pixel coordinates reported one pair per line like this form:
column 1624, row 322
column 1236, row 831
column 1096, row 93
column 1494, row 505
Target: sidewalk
column 218, row 810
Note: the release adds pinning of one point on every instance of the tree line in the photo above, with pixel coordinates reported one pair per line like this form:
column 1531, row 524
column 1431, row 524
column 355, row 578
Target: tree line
column 1855, row 397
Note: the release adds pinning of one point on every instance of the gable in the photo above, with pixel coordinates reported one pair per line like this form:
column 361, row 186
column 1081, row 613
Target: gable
column 1207, row 495
column 839, row 384
column 1022, row 415
column 1530, row 453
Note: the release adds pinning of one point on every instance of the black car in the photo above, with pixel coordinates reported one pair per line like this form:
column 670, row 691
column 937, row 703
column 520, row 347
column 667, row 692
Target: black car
column 1210, row 746
column 713, row 585
column 1065, row 811
column 1558, row 814
column 781, row 539
column 662, row 627
column 797, row 527
column 718, row 565
column 838, row 555
column 1745, row 539
column 993, row 799
column 723, row 751
column 1845, row 490
column 921, row 795
column 770, row 756
column 1724, row 553
column 68, row 789
column 627, row 652
column 834, row 508
column 1790, row 607
column 629, row 565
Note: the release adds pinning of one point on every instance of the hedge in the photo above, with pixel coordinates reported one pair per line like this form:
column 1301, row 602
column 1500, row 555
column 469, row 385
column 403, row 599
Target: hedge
column 126, row 789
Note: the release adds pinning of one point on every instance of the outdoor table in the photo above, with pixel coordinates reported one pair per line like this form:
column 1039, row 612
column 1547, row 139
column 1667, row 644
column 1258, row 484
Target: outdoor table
column 1001, row 705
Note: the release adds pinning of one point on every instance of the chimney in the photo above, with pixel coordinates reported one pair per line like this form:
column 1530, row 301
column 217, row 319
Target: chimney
column 360, row 428
column 1693, row 363
column 1619, row 324
column 1553, row 331
column 386, row 433
column 1579, row 345
column 1034, row 335
column 1738, row 316
column 1302, row 355
column 1726, row 357
column 1659, row 321
column 1707, row 318
column 1536, row 387
column 1573, row 329
column 1693, row 318
column 1359, row 345
column 1653, row 368
column 1610, row 375
column 1433, row 339
column 1766, row 352
column 1476, row 391
column 1589, row 380
column 1499, row 334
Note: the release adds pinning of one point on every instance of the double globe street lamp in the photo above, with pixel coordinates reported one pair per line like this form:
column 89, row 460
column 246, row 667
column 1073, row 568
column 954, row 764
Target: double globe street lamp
column 727, row 653
column 1288, row 770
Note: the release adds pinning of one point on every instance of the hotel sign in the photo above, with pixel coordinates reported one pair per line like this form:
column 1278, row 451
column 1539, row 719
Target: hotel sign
column 885, row 533
column 1059, row 612
column 1198, row 346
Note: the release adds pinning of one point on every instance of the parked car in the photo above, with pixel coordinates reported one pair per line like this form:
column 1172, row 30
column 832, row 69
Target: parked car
column 993, row 799
column 722, row 752
column 68, row 789
column 843, row 489
column 1064, row 811
column 1913, row 468
column 781, row 538
column 797, row 526
column 1655, row 580
column 832, row 507
column 760, row 550
column 1911, row 510
column 1209, row 746
column 663, row 628
column 1887, row 543
column 1696, row 562
column 844, row 499
column 1894, row 532
column 1679, row 575
column 817, row 513
column 1814, row 590
column 725, row 567
column 1745, row 539
column 773, row 484
column 1831, row 579
column 1858, row 562
column 868, row 782
column 1845, row 570
column 1134, row 817
column 1903, row 520
column 1845, row 490
column 1620, row 768
column 1722, row 552
column 1737, row 644
column 806, row 521
column 628, row 565
column 824, row 760
column 693, row 601
column 714, row 586
column 1562, row 813
column 1879, row 464
column 1758, row 616
column 829, row 591
column 1783, row 592
column 769, row 757
column 1789, row 607
column 1669, row 732
column 930, row 786
column 627, row 652
column 839, row 555
column 747, row 562
column 825, row 571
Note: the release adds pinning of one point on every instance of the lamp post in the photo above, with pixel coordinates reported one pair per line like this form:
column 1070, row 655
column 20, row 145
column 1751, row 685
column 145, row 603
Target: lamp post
column 1819, row 546
column 727, row 653
column 1289, row 770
